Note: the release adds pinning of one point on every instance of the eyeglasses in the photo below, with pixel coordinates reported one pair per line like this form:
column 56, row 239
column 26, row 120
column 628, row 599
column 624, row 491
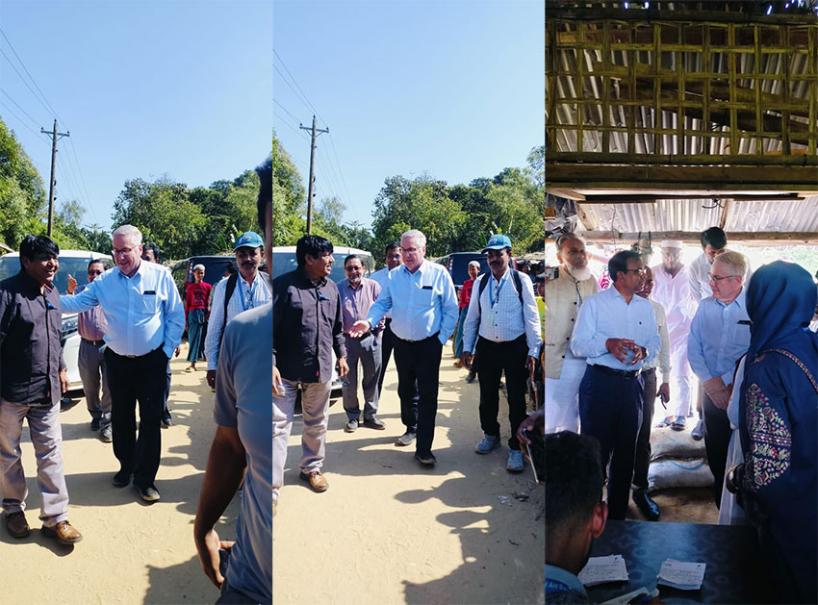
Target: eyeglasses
column 121, row 251
column 641, row 271
column 95, row 272
column 718, row 278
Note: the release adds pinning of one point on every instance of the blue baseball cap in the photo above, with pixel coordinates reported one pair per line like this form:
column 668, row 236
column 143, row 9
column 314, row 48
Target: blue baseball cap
column 250, row 239
column 497, row 242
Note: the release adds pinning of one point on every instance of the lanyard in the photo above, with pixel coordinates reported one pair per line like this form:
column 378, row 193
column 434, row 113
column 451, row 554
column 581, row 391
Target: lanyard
column 251, row 290
column 500, row 285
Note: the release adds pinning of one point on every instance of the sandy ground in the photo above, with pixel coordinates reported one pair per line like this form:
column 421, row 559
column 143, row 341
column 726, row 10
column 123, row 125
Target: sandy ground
column 130, row 552
column 389, row 531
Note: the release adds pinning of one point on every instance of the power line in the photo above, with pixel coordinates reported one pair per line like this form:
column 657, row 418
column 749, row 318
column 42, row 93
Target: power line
column 23, row 80
column 287, row 111
column 340, row 170
column 33, row 81
column 79, row 169
column 303, row 97
column 284, row 65
column 28, row 115
column 43, row 100
column 295, row 129
column 21, row 121
column 292, row 87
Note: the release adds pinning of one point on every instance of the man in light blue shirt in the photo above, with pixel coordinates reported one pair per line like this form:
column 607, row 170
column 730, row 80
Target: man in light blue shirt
column 616, row 332
column 502, row 327
column 241, row 447
column 422, row 299
column 387, row 337
column 145, row 319
column 719, row 336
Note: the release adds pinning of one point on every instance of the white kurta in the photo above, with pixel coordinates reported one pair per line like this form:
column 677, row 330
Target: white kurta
column 675, row 296
column 699, row 272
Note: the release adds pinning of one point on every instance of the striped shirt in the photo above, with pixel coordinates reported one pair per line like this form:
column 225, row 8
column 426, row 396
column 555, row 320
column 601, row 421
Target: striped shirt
column 502, row 318
column 244, row 297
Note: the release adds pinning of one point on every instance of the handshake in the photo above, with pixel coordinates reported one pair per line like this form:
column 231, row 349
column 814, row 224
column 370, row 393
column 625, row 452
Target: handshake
column 359, row 328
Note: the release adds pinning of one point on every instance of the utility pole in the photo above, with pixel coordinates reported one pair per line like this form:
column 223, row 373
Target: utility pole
column 54, row 137
column 311, row 185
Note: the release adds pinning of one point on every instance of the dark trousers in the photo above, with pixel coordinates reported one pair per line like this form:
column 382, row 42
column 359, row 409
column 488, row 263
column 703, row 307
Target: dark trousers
column 716, row 441
column 640, row 467
column 610, row 409
column 418, row 364
column 387, row 344
column 139, row 379
column 166, row 392
column 495, row 358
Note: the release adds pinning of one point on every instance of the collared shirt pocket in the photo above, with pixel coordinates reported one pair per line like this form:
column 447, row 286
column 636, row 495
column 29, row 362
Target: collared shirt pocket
column 149, row 301
column 425, row 296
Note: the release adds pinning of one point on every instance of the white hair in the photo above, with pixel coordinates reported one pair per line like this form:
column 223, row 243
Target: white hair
column 475, row 263
column 198, row 267
column 735, row 260
column 415, row 235
column 129, row 231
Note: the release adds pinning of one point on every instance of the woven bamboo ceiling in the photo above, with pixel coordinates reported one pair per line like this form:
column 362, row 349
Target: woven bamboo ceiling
column 672, row 117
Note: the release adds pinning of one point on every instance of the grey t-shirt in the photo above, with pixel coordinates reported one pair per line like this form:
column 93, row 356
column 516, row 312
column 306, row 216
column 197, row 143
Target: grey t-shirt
column 244, row 401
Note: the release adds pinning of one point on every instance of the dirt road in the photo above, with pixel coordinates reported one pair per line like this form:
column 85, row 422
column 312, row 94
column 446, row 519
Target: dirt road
column 389, row 531
column 131, row 552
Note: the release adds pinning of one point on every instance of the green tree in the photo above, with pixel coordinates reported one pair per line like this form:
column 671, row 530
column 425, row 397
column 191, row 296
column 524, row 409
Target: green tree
column 422, row 203
column 163, row 212
column 22, row 193
column 288, row 198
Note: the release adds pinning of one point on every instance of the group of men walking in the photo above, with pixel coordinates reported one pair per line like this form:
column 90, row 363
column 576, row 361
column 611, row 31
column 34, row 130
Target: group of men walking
column 604, row 349
column 409, row 308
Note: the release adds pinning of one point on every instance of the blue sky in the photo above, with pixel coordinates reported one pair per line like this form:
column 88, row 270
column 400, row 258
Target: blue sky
column 147, row 89
column 450, row 88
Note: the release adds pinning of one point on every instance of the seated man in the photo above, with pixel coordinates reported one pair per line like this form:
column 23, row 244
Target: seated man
column 576, row 512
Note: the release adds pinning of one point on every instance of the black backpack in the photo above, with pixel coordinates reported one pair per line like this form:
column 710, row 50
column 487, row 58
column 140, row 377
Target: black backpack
column 518, row 285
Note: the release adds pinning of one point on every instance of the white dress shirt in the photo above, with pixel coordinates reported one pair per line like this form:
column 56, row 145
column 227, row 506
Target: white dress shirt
column 606, row 315
column 143, row 312
column 699, row 272
column 502, row 318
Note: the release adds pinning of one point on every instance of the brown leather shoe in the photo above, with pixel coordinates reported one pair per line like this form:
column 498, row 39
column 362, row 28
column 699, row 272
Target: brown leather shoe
column 316, row 480
column 63, row 533
column 17, row 525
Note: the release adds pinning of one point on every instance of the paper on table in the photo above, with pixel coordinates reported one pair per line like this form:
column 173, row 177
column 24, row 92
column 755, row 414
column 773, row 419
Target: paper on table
column 600, row 570
column 681, row 574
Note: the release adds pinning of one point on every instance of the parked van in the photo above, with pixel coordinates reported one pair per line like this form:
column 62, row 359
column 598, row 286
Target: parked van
column 457, row 264
column 75, row 263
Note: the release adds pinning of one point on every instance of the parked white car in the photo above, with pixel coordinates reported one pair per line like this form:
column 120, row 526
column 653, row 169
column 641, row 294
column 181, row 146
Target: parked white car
column 74, row 262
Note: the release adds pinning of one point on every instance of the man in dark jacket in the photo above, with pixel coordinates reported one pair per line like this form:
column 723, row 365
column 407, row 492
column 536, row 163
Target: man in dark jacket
column 32, row 380
column 307, row 328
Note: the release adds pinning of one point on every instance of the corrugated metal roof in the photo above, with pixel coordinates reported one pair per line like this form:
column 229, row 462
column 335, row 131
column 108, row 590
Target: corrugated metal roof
column 696, row 215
